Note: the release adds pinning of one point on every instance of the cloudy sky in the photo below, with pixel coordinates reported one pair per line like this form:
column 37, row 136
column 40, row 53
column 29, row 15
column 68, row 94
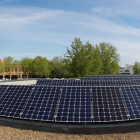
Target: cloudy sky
column 46, row 27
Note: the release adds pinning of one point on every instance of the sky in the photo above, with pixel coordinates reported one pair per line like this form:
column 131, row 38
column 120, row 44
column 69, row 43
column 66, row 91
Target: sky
column 29, row 28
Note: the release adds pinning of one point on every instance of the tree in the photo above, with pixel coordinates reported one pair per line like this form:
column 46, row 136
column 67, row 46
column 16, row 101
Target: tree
column 109, row 57
column 79, row 59
column 26, row 65
column 97, row 63
column 58, row 67
column 40, row 66
column 8, row 62
column 1, row 67
column 136, row 68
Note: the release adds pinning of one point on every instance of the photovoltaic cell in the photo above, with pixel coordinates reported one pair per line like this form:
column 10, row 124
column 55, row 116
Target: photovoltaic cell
column 131, row 97
column 108, row 105
column 13, row 101
column 74, row 105
column 42, row 103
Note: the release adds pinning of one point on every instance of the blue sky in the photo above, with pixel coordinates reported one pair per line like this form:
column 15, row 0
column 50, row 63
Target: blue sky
column 46, row 27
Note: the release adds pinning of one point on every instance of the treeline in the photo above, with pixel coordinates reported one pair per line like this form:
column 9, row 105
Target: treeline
column 80, row 60
column 37, row 67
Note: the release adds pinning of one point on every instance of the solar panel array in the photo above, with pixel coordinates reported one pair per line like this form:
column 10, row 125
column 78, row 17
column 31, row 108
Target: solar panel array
column 110, row 98
column 107, row 98
column 112, row 77
column 90, row 82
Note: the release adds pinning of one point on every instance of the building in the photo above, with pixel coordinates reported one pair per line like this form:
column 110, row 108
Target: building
column 14, row 73
column 128, row 69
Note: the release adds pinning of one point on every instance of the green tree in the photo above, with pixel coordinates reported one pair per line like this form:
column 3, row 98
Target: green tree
column 46, row 68
column 136, row 68
column 26, row 65
column 1, row 67
column 97, row 63
column 109, row 57
column 40, row 66
column 58, row 67
column 8, row 62
column 79, row 59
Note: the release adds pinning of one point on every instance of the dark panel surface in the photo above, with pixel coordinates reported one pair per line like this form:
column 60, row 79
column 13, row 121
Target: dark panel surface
column 132, row 100
column 74, row 105
column 44, row 82
column 42, row 104
column 108, row 105
column 59, row 82
column 3, row 88
column 75, row 83
column 14, row 100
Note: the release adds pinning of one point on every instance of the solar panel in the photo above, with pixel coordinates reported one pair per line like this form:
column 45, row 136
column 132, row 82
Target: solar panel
column 3, row 88
column 95, row 83
column 108, row 105
column 44, row 82
column 55, row 82
column 87, row 83
column 91, row 83
column 122, row 83
column 131, row 97
column 13, row 101
column 74, row 105
column 135, row 82
column 42, row 103
column 59, row 82
column 107, row 83
column 75, row 83
column 64, row 83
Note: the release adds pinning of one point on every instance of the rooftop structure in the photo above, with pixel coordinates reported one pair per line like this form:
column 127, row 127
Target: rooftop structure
column 128, row 69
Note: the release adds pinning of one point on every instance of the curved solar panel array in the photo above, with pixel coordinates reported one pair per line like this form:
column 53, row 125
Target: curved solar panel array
column 90, row 99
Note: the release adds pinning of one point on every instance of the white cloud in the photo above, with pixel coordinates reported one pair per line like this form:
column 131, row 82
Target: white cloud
column 17, row 16
column 25, row 17
column 102, row 10
column 117, row 7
